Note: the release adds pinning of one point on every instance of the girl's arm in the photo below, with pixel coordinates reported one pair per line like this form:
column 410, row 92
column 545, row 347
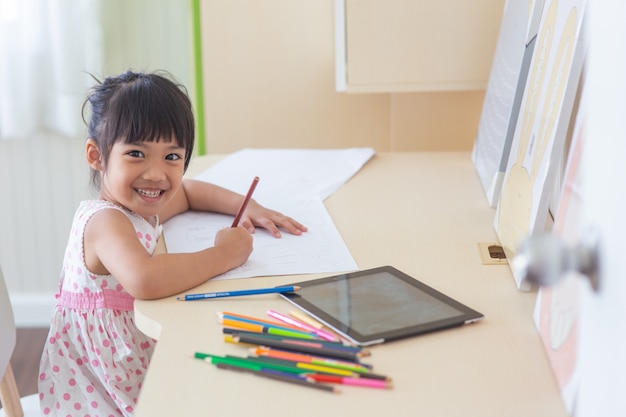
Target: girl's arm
column 111, row 246
column 202, row 196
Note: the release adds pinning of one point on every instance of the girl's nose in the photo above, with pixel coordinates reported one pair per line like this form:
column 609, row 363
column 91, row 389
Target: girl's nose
column 154, row 173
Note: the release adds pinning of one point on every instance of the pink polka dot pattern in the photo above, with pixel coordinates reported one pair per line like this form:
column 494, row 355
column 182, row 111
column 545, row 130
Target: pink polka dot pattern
column 95, row 358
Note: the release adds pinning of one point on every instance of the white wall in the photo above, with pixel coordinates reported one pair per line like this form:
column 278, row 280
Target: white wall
column 42, row 179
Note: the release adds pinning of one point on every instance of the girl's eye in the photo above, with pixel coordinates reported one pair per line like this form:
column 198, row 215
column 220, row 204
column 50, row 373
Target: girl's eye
column 173, row 157
column 136, row 154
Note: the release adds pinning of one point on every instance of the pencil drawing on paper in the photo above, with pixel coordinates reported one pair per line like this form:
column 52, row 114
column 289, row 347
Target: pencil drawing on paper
column 319, row 250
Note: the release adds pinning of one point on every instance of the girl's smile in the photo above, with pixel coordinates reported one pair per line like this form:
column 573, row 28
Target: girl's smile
column 150, row 194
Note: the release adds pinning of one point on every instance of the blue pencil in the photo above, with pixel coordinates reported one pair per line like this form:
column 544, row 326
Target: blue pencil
column 223, row 294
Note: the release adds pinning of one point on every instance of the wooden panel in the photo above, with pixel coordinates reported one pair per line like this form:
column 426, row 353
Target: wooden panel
column 421, row 45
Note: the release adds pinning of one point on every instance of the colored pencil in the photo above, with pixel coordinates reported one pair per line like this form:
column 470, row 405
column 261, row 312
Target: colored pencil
column 302, row 325
column 316, row 324
column 361, row 382
column 308, row 320
column 247, row 363
column 296, row 340
column 316, row 360
column 236, row 293
column 280, row 377
column 303, row 366
column 291, row 346
column 329, row 369
column 257, row 328
column 255, row 320
column 249, row 323
column 260, row 364
column 245, row 202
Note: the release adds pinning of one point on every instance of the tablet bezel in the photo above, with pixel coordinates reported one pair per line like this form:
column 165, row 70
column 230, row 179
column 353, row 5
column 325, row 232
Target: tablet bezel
column 468, row 315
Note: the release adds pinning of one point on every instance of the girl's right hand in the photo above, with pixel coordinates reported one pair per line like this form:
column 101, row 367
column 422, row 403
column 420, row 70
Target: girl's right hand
column 236, row 242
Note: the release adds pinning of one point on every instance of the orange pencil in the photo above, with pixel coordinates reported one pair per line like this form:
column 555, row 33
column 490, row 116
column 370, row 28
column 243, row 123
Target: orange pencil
column 226, row 314
column 259, row 328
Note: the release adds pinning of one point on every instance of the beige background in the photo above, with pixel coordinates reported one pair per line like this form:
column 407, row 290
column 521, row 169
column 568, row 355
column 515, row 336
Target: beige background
column 269, row 81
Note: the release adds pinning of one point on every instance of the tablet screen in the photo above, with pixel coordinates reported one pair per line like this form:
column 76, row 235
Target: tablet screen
column 378, row 305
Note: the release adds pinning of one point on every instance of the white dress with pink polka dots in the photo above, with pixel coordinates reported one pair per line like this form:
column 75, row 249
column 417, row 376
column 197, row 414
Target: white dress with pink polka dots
column 95, row 358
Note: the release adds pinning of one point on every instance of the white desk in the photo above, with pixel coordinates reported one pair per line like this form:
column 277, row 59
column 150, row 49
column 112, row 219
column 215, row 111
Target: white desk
column 423, row 213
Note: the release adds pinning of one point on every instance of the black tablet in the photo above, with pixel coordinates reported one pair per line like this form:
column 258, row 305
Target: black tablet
column 378, row 305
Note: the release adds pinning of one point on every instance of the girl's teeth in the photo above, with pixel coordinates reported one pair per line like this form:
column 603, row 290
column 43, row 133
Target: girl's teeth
column 149, row 193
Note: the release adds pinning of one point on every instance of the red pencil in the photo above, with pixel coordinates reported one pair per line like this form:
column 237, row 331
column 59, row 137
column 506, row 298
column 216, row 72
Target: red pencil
column 245, row 202
column 362, row 382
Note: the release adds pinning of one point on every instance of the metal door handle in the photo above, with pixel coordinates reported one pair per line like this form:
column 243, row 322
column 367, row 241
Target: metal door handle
column 544, row 258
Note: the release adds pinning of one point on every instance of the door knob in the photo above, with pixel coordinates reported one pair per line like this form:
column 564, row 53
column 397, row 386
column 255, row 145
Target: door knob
column 544, row 258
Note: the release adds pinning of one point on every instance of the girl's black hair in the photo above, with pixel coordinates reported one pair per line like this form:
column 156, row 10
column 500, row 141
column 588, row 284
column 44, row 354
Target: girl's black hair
column 139, row 107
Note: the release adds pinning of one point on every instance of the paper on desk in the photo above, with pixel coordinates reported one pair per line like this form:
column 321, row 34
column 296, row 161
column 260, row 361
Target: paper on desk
column 319, row 250
column 292, row 181
column 288, row 173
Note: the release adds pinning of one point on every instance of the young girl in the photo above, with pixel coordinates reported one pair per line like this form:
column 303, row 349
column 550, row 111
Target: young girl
column 141, row 135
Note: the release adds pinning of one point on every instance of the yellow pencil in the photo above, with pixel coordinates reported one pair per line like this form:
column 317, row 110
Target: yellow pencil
column 314, row 323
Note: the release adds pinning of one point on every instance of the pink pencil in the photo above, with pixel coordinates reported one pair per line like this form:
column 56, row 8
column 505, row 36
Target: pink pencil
column 285, row 319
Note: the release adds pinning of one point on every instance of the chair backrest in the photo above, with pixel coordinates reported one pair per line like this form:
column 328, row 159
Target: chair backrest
column 7, row 326
column 9, row 394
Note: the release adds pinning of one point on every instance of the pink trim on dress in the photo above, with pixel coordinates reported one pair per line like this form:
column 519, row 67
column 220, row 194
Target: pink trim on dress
column 111, row 299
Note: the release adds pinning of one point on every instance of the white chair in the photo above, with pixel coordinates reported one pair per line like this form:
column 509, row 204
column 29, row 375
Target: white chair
column 12, row 404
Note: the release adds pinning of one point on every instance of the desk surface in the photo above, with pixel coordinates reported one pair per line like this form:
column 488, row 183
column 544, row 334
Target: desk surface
column 423, row 213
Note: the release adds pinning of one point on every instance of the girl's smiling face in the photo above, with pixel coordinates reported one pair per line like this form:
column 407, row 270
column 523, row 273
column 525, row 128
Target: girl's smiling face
column 141, row 176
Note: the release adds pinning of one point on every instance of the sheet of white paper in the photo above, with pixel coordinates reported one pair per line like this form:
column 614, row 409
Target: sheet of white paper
column 319, row 250
column 287, row 173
